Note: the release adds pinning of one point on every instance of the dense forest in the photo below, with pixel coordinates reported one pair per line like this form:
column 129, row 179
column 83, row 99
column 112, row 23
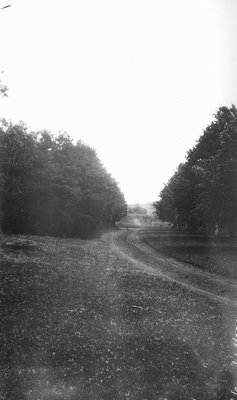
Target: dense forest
column 202, row 193
column 50, row 185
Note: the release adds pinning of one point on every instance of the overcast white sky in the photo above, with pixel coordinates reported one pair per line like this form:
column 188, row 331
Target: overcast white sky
column 136, row 80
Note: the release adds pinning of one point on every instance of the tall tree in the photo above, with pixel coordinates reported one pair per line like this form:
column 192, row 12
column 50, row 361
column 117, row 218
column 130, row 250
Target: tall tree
column 53, row 186
column 203, row 191
column 177, row 203
column 216, row 154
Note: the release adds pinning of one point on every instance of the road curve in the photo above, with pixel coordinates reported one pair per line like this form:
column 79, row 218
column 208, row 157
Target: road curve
column 129, row 245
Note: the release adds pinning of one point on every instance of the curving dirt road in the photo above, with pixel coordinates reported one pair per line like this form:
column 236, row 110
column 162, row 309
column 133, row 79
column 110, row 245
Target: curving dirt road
column 129, row 245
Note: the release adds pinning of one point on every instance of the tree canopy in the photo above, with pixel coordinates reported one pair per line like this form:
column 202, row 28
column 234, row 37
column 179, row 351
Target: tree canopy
column 203, row 190
column 52, row 186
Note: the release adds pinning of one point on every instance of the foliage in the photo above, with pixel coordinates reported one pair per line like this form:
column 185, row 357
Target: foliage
column 3, row 89
column 137, row 209
column 178, row 199
column 203, row 191
column 51, row 186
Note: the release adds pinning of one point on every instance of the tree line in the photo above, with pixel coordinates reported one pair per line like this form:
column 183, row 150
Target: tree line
column 202, row 193
column 50, row 185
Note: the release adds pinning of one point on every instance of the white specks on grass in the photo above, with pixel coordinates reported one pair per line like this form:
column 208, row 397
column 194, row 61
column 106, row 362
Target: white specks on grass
column 45, row 386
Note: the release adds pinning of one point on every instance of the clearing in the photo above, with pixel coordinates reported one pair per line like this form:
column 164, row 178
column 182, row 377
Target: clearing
column 83, row 320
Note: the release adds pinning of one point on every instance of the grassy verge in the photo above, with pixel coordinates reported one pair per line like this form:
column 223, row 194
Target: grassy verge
column 211, row 254
column 79, row 322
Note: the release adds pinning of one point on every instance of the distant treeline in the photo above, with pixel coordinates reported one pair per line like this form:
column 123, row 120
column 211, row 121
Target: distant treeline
column 202, row 194
column 52, row 186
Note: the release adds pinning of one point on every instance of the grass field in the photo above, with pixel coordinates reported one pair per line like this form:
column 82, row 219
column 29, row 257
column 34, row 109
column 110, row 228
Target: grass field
column 80, row 322
column 211, row 254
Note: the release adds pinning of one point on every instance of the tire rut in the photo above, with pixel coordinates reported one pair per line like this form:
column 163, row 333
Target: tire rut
column 128, row 245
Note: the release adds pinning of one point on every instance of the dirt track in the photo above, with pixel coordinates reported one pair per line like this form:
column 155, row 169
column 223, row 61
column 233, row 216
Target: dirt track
column 102, row 320
column 129, row 245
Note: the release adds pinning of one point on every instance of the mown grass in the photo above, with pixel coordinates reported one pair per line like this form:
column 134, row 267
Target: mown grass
column 79, row 322
column 218, row 255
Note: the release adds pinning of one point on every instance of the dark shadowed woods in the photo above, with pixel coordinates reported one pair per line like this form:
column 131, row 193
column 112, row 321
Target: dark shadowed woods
column 52, row 186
